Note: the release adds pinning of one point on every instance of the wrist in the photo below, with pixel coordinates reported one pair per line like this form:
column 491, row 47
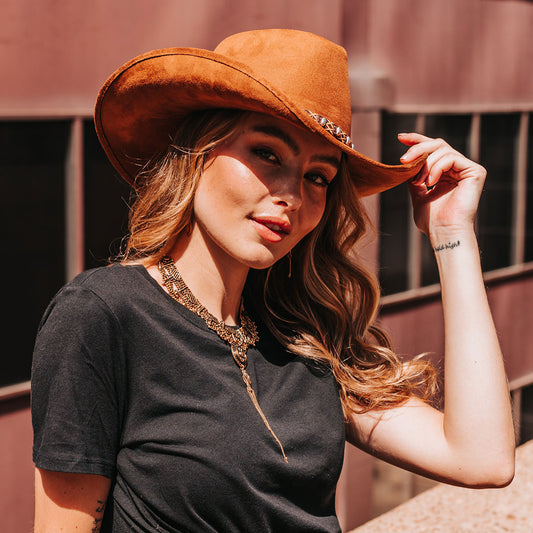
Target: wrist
column 450, row 238
column 437, row 236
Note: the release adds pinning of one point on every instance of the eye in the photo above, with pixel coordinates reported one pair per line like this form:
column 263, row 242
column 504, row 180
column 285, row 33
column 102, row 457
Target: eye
column 266, row 154
column 317, row 179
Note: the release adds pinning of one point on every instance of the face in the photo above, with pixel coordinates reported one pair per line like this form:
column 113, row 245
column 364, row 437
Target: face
column 262, row 191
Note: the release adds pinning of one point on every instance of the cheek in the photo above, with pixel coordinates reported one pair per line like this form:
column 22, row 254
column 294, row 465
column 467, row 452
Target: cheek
column 313, row 212
column 225, row 185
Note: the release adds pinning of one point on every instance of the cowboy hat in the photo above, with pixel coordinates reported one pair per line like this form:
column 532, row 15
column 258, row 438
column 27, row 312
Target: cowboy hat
column 294, row 75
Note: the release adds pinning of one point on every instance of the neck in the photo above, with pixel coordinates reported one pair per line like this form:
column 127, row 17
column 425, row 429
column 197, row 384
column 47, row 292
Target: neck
column 215, row 280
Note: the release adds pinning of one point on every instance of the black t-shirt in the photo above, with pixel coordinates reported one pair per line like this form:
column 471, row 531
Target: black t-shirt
column 129, row 384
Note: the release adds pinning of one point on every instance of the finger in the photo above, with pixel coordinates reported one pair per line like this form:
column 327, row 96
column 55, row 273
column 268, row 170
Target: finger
column 445, row 164
column 409, row 139
column 431, row 170
column 425, row 146
column 450, row 161
column 421, row 177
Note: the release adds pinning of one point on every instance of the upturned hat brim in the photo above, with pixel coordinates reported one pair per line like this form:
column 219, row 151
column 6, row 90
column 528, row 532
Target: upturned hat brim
column 141, row 105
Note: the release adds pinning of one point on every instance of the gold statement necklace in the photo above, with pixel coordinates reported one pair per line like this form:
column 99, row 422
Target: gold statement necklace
column 239, row 339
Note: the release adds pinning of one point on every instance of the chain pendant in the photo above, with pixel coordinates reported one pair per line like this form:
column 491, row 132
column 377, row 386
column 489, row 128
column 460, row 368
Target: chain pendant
column 239, row 339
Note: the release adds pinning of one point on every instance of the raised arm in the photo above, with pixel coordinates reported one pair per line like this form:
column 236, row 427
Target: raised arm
column 472, row 442
column 69, row 502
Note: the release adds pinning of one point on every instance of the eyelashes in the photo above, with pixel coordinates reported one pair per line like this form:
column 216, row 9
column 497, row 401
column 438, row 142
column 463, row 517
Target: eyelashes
column 268, row 155
column 317, row 179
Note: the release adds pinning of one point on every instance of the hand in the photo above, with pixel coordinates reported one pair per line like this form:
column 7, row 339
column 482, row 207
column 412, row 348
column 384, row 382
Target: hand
column 445, row 193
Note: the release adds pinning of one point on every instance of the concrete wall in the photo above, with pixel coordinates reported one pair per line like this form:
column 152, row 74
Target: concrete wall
column 16, row 468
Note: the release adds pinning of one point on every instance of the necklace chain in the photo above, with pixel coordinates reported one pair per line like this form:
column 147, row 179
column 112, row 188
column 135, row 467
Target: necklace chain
column 239, row 339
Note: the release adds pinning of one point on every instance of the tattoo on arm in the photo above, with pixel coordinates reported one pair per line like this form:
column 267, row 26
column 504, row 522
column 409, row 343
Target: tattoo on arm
column 99, row 517
column 447, row 246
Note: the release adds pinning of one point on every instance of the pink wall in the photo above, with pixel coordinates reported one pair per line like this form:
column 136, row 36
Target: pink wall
column 417, row 327
column 476, row 52
column 59, row 55
column 436, row 53
column 16, row 467
column 512, row 305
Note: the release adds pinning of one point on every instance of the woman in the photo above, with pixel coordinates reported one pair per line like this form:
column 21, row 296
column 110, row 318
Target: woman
column 208, row 381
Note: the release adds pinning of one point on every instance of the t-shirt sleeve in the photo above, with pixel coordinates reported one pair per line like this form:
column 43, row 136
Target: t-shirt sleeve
column 77, row 385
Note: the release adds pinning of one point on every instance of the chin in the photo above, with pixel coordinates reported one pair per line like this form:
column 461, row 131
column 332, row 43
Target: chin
column 260, row 264
column 260, row 261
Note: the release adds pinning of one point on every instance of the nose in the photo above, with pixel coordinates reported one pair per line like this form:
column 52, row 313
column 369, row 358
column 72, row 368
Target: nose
column 288, row 192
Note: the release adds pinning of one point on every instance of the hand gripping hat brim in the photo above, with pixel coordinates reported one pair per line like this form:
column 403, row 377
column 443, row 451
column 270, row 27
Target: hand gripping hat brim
column 294, row 75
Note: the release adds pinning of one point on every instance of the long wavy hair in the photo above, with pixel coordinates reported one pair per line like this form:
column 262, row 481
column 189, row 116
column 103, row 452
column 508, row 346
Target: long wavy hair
column 326, row 310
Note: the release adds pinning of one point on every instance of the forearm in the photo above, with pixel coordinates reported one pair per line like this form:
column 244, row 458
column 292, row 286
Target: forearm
column 477, row 417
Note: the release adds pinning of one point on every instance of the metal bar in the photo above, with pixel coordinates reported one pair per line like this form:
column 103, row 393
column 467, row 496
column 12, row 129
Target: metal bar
column 523, row 381
column 15, row 113
column 475, row 137
column 518, row 240
column 516, row 405
column 457, row 108
column 14, row 391
column 414, row 238
column 74, row 230
column 474, row 149
column 430, row 291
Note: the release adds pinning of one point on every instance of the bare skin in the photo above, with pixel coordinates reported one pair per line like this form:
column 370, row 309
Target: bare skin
column 69, row 502
column 472, row 442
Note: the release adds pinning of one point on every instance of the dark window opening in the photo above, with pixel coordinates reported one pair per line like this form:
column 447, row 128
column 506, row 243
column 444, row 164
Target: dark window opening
column 395, row 210
column 107, row 198
column 32, row 171
column 499, row 138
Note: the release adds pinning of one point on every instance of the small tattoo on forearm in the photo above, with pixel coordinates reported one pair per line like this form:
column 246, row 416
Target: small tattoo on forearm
column 447, row 246
column 98, row 519
column 101, row 506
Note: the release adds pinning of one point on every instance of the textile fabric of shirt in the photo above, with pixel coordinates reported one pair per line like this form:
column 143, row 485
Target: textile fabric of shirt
column 129, row 384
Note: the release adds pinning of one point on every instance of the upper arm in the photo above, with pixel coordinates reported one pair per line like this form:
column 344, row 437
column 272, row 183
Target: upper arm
column 78, row 386
column 69, row 502
column 412, row 436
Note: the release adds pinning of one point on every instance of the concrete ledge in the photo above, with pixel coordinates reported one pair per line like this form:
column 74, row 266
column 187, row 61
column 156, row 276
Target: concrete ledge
column 446, row 509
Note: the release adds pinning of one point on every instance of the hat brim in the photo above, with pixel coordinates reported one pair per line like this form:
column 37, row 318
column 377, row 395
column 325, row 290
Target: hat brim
column 141, row 105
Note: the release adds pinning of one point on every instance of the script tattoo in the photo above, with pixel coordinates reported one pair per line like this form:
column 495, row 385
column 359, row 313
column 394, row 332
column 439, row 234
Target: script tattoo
column 447, row 246
column 100, row 516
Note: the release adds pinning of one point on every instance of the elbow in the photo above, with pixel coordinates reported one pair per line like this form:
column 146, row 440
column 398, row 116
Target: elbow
column 496, row 475
column 503, row 476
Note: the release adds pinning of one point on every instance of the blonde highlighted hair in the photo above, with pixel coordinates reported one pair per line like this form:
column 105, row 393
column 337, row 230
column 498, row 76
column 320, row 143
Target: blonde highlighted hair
column 326, row 310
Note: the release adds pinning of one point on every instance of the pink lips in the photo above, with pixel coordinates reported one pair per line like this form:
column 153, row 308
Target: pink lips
column 272, row 229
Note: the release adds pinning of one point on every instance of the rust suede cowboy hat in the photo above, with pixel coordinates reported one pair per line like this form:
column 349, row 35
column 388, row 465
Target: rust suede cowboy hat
column 291, row 74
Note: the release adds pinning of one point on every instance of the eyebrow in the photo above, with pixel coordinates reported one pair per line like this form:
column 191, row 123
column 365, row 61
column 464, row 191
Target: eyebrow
column 274, row 131
column 329, row 160
column 283, row 136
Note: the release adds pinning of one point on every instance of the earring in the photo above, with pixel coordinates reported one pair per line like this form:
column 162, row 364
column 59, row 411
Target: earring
column 289, row 255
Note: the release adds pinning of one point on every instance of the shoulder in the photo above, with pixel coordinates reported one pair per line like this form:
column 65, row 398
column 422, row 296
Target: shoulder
column 109, row 280
column 96, row 294
column 110, row 284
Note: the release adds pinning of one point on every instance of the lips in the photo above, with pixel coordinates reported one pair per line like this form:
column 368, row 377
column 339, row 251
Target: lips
column 272, row 229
